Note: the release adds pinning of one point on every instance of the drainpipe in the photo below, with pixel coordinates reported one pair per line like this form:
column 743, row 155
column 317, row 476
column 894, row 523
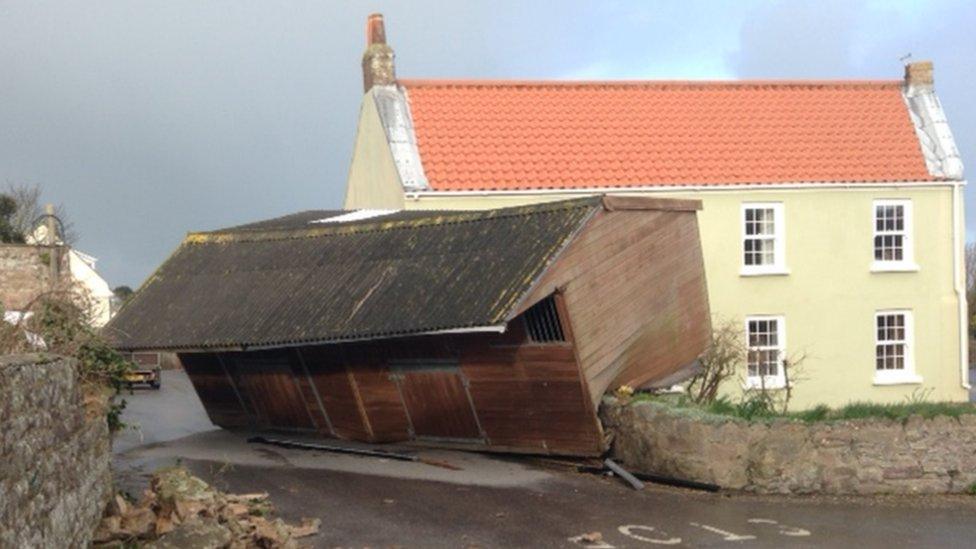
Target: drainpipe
column 958, row 261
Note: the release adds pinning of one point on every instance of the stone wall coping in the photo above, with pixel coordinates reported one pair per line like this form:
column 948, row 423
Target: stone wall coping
column 28, row 359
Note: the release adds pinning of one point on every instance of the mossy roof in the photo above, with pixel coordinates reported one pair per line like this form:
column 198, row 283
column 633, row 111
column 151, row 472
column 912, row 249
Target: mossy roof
column 292, row 281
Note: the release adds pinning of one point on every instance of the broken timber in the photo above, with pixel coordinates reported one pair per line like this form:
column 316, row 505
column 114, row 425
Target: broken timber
column 334, row 448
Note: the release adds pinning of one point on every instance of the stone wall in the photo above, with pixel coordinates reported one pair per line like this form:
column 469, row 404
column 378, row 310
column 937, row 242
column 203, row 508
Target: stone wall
column 24, row 274
column 54, row 462
column 870, row 456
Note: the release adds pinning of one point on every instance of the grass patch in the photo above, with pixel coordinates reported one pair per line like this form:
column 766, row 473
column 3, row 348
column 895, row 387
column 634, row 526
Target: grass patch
column 753, row 410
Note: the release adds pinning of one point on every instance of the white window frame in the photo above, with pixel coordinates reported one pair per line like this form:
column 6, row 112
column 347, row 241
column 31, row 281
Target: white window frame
column 905, row 375
column 777, row 381
column 778, row 267
column 907, row 262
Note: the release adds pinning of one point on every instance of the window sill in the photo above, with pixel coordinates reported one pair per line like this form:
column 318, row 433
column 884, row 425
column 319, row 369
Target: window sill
column 770, row 271
column 772, row 384
column 904, row 267
column 897, row 379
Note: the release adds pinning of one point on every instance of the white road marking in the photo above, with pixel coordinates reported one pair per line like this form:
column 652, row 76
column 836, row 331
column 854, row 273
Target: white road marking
column 727, row 536
column 627, row 530
column 784, row 530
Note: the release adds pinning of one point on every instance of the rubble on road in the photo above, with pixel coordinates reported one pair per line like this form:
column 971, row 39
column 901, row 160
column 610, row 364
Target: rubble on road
column 180, row 510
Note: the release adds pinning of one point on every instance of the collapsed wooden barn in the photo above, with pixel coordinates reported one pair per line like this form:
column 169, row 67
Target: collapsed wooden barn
column 493, row 330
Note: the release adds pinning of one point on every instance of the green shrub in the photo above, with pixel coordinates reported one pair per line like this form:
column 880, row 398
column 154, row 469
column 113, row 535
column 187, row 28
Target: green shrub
column 722, row 406
column 818, row 413
column 61, row 319
column 755, row 407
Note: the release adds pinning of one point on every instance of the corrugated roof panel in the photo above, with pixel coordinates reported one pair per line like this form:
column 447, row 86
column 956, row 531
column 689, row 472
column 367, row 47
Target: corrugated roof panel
column 406, row 273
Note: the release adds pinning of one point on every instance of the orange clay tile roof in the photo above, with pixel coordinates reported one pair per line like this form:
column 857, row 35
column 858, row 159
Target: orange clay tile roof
column 484, row 135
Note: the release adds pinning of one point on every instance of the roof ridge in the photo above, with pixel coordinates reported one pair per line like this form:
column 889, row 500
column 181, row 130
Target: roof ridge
column 378, row 225
column 448, row 82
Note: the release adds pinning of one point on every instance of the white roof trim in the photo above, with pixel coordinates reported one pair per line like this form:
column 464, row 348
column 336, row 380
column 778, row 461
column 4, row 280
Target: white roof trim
column 490, row 328
column 394, row 111
column 355, row 215
column 727, row 187
column 935, row 138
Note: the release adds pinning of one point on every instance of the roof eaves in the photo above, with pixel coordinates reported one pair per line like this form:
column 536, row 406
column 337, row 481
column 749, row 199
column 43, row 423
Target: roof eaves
column 681, row 187
column 352, row 338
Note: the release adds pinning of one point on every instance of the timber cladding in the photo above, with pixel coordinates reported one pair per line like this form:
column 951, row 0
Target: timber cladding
column 492, row 330
column 633, row 287
column 470, row 391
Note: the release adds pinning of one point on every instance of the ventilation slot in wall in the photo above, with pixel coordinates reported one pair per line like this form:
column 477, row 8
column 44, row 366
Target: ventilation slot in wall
column 542, row 322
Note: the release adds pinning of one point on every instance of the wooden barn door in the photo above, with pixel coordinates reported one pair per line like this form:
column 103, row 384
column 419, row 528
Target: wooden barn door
column 436, row 398
column 277, row 399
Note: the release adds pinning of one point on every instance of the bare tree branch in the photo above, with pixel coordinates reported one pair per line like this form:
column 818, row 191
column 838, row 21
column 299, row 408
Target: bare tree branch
column 29, row 209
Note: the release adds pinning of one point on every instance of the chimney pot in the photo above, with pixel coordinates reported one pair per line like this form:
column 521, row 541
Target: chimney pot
column 375, row 31
column 378, row 67
column 919, row 74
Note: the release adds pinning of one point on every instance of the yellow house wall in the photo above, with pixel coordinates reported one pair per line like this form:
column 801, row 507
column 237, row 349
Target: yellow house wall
column 373, row 178
column 830, row 296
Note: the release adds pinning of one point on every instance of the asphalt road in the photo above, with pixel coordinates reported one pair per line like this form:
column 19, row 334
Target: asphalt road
column 491, row 501
column 172, row 412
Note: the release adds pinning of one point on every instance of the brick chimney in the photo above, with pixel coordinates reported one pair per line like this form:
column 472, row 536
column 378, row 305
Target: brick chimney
column 378, row 67
column 919, row 74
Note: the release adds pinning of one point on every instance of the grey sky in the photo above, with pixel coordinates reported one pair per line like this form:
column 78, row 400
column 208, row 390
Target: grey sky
column 150, row 119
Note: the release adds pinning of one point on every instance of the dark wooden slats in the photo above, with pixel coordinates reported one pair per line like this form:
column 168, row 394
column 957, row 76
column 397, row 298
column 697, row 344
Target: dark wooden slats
column 438, row 404
column 337, row 391
column 271, row 384
column 216, row 390
column 381, row 403
column 488, row 391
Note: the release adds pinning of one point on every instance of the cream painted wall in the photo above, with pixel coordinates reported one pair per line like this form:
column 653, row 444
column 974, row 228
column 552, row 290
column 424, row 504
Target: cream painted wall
column 828, row 299
column 373, row 178
column 99, row 292
column 830, row 296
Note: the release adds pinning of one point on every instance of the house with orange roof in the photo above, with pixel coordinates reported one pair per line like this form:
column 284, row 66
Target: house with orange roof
column 832, row 225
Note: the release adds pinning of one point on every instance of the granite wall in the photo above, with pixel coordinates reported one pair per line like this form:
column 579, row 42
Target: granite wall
column 869, row 456
column 54, row 461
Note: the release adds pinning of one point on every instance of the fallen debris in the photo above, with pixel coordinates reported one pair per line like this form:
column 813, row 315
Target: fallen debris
column 591, row 537
column 339, row 449
column 180, row 510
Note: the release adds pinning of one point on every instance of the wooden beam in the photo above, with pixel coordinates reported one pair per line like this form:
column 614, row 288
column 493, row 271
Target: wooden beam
column 315, row 390
column 614, row 203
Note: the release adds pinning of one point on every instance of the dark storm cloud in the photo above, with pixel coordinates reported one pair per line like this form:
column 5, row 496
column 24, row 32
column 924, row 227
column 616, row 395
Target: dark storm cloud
column 149, row 119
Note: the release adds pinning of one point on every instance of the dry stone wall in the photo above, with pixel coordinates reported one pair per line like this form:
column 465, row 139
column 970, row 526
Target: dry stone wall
column 54, row 463
column 24, row 273
column 870, row 456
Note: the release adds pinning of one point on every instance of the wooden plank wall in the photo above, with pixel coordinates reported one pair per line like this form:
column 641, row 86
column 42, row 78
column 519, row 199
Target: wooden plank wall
column 526, row 397
column 216, row 391
column 634, row 289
